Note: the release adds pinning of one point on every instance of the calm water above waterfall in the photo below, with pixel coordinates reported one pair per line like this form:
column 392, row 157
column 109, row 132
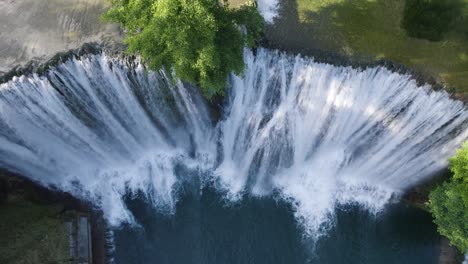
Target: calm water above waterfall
column 301, row 167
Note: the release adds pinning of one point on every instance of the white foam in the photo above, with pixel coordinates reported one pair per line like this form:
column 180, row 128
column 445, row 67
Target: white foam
column 315, row 135
column 99, row 129
column 325, row 136
column 268, row 9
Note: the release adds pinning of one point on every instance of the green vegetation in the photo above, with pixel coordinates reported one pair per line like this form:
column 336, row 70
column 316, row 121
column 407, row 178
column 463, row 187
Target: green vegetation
column 363, row 28
column 200, row 40
column 31, row 233
column 449, row 202
column 430, row 19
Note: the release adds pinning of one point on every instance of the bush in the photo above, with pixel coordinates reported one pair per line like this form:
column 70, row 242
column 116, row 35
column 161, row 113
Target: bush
column 200, row 40
column 430, row 19
column 449, row 202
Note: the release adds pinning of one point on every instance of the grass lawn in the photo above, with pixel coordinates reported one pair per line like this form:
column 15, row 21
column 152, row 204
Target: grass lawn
column 373, row 28
column 32, row 233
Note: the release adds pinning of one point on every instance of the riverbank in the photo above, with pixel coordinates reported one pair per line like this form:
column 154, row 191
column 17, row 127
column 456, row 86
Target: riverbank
column 418, row 197
column 369, row 32
column 337, row 32
column 38, row 224
column 319, row 54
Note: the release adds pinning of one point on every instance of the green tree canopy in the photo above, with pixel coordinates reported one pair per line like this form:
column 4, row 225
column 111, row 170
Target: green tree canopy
column 449, row 202
column 201, row 40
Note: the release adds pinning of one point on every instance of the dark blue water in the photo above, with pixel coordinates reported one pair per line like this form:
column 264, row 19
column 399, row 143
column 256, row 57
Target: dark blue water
column 206, row 230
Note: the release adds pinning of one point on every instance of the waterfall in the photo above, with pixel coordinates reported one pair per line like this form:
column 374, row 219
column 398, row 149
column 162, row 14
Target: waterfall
column 100, row 128
column 324, row 136
column 268, row 9
column 315, row 135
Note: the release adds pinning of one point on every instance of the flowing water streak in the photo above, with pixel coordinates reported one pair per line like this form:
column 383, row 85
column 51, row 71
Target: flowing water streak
column 316, row 135
column 268, row 9
column 100, row 128
column 324, row 136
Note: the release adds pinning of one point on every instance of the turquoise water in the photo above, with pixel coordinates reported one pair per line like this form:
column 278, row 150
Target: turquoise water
column 207, row 230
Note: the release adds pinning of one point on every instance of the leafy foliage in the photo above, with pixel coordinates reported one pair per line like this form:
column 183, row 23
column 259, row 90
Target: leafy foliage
column 430, row 19
column 201, row 40
column 449, row 202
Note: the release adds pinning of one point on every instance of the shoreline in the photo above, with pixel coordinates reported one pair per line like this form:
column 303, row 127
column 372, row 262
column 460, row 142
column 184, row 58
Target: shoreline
column 418, row 197
column 317, row 55
column 415, row 196
column 12, row 184
column 361, row 62
column 102, row 247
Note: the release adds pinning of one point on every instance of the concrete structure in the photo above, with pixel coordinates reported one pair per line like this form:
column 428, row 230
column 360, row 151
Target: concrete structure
column 80, row 241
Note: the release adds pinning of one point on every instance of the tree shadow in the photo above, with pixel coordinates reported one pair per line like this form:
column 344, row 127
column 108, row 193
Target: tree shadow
column 431, row 20
column 365, row 33
column 290, row 34
column 322, row 33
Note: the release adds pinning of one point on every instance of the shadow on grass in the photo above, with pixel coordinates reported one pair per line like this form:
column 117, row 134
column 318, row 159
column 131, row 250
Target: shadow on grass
column 368, row 33
column 432, row 19
column 336, row 25
column 330, row 32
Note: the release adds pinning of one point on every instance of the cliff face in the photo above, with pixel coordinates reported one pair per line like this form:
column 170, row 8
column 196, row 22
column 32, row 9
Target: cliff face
column 36, row 30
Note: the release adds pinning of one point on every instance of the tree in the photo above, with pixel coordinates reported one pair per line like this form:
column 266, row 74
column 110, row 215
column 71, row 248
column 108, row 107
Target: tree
column 202, row 41
column 449, row 202
column 430, row 19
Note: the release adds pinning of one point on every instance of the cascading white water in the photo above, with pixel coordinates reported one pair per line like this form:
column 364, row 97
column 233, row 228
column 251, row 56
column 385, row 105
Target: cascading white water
column 268, row 9
column 324, row 136
column 100, row 128
column 316, row 135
